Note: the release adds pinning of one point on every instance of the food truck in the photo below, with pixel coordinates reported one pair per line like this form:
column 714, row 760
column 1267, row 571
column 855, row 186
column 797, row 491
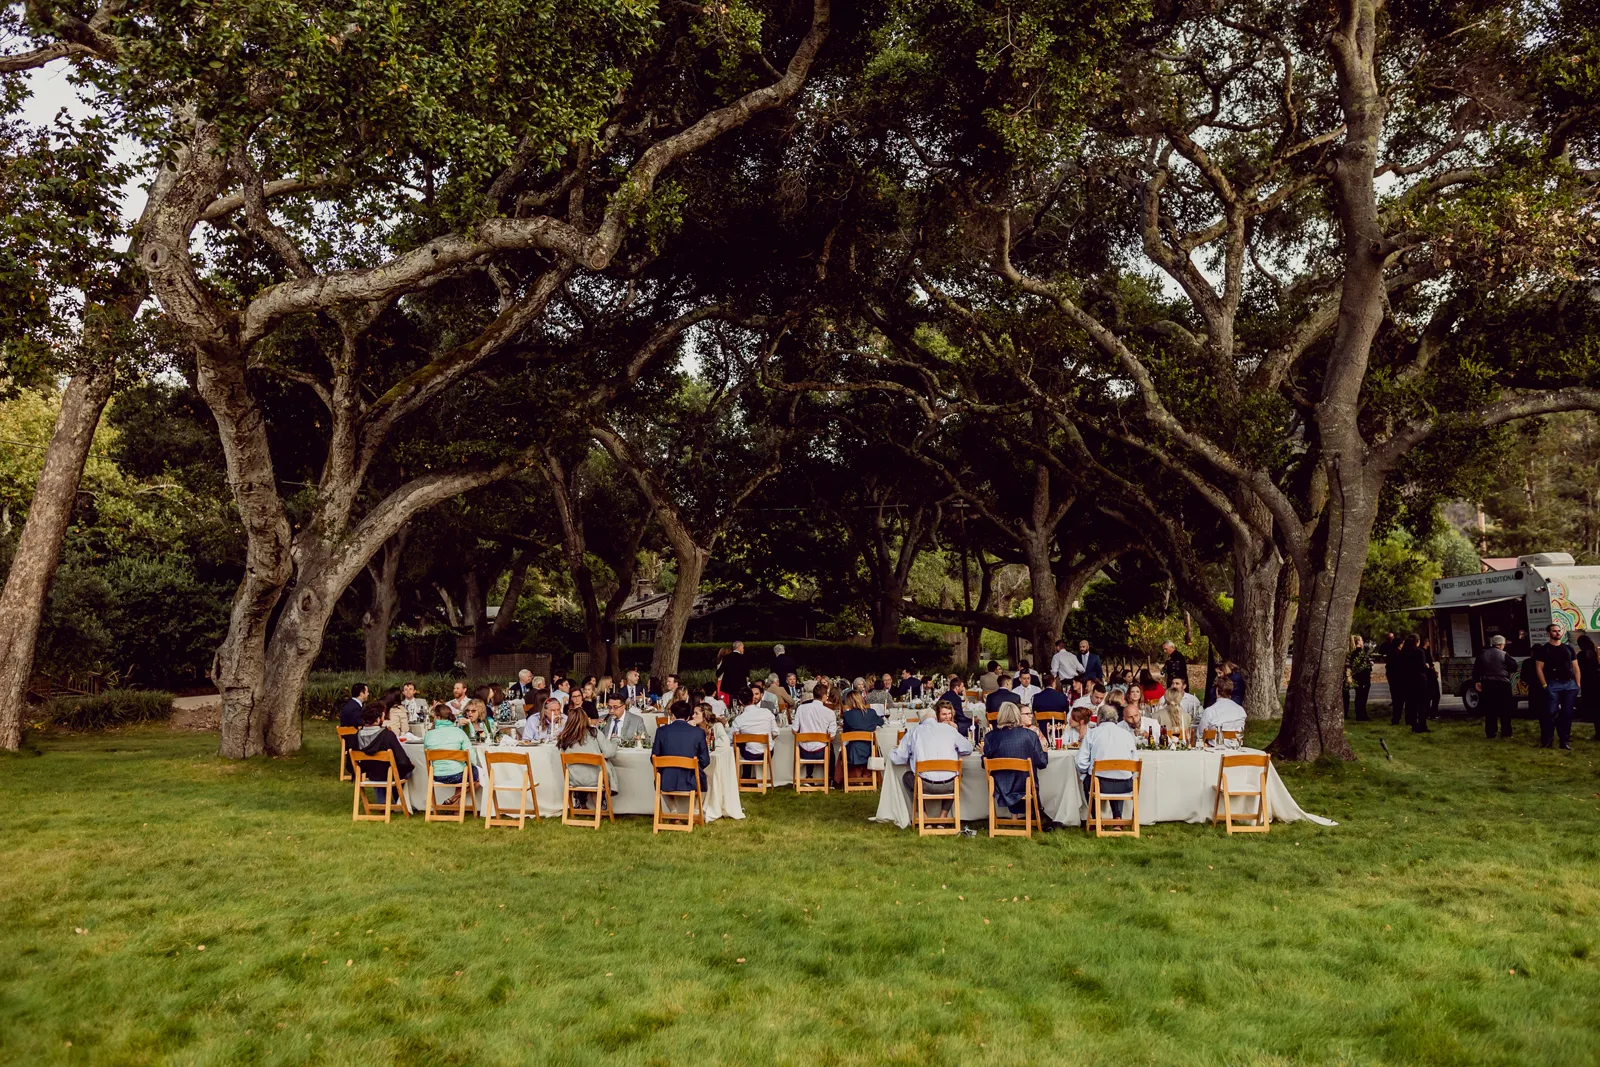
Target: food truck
column 1517, row 602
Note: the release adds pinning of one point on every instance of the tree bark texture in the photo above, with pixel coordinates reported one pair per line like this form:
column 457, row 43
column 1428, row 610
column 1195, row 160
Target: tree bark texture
column 38, row 554
column 384, row 573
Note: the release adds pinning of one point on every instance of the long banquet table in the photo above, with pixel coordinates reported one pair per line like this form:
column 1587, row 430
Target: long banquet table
column 1174, row 787
column 634, row 782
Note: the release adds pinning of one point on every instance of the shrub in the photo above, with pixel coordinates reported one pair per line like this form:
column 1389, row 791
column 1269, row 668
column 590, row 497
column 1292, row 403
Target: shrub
column 834, row 658
column 114, row 707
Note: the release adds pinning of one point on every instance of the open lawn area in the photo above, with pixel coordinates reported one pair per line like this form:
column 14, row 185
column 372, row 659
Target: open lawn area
column 1452, row 917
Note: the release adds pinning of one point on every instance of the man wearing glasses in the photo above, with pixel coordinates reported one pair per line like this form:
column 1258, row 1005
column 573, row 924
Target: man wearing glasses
column 1556, row 667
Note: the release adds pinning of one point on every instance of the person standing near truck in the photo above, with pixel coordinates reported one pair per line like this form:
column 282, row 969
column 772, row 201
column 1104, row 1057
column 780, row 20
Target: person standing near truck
column 1491, row 676
column 1555, row 664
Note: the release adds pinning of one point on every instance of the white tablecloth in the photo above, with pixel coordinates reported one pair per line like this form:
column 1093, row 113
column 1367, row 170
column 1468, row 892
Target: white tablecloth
column 635, row 781
column 1173, row 787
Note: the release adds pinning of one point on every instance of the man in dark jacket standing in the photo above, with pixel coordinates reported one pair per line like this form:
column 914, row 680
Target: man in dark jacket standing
column 1176, row 666
column 680, row 738
column 1491, row 677
column 733, row 674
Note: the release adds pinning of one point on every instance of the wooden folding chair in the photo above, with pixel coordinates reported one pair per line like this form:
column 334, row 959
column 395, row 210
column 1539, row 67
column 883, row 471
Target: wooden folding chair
column 1008, row 824
column 1261, row 818
column 676, row 820
column 433, row 811
column 497, row 815
column 1208, row 737
column 763, row 782
column 347, row 740
column 570, row 815
column 1124, row 827
column 1231, row 735
column 867, row 781
column 935, row 826
column 363, row 809
column 801, row 762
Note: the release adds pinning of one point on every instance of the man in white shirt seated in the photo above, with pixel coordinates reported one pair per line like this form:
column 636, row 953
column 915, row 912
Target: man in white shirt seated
column 458, row 698
column 1064, row 665
column 1107, row 741
column 935, row 740
column 756, row 718
column 622, row 724
column 1139, row 725
column 1223, row 714
column 1025, row 689
column 717, row 706
column 815, row 717
column 562, row 692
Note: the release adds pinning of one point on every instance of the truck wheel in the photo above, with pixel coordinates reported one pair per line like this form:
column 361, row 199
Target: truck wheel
column 1471, row 698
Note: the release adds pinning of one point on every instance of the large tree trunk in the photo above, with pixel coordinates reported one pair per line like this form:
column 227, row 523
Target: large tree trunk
column 1313, row 720
column 508, row 603
column 39, row 550
column 887, row 612
column 296, row 642
column 384, row 571
column 1254, row 627
column 239, row 669
column 675, row 622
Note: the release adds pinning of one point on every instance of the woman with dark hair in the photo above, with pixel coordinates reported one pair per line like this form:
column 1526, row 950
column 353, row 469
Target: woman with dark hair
column 1150, row 687
column 579, row 735
column 1589, row 688
column 394, row 712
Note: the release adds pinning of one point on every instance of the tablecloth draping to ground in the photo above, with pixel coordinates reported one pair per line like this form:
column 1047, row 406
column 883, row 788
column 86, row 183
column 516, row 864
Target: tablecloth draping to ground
column 1174, row 787
column 635, row 781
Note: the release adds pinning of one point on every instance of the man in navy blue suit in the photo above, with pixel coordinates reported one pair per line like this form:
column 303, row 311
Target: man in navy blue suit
column 1002, row 695
column 680, row 738
column 1092, row 670
column 1050, row 698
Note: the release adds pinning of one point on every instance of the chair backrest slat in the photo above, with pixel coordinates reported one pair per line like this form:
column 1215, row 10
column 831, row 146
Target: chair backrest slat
column 810, row 738
column 923, row 766
column 457, row 754
column 684, row 763
column 999, row 764
column 1115, row 765
column 582, row 759
column 752, row 739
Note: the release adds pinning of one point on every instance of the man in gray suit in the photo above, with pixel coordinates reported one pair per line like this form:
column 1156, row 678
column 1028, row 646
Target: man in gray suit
column 622, row 723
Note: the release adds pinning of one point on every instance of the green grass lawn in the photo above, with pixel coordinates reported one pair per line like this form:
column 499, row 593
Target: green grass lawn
column 1450, row 918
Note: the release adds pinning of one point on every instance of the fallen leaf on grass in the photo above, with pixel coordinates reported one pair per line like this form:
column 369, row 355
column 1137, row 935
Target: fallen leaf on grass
column 741, row 960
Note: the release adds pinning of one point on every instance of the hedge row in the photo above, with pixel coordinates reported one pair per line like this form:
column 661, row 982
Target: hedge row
column 114, row 707
column 814, row 657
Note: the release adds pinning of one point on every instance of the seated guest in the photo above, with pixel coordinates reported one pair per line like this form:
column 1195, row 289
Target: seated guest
column 475, row 722
column 1086, row 698
column 680, row 738
column 375, row 737
column 578, row 734
column 1050, row 698
column 909, row 687
column 522, row 688
column 561, row 690
column 458, row 698
column 755, row 718
column 1077, row 726
column 1010, row 739
column 669, row 692
column 791, row 685
column 1151, row 686
column 718, row 706
column 775, row 697
column 857, row 718
column 933, row 740
column 602, row 690
column 1190, row 702
column 415, row 707
column 350, row 715
column 633, row 694
column 1135, row 722
column 956, row 697
column 1030, row 723
column 622, row 723
column 1107, row 741
column 815, row 717
column 1224, row 714
column 705, row 720
column 392, row 704
column 547, row 724
column 1025, row 688
column 586, row 696
column 990, row 679
column 881, row 693
column 1111, row 710
column 1120, row 682
column 445, row 734
column 1001, row 694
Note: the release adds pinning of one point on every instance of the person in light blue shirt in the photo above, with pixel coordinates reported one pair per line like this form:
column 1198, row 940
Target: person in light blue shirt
column 1106, row 741
column 445, row 734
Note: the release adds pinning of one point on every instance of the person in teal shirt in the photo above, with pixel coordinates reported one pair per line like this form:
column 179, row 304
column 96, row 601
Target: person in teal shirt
column 445, row 734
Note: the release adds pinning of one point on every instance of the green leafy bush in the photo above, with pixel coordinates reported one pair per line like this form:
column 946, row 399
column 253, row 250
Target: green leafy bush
column 114, row 707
